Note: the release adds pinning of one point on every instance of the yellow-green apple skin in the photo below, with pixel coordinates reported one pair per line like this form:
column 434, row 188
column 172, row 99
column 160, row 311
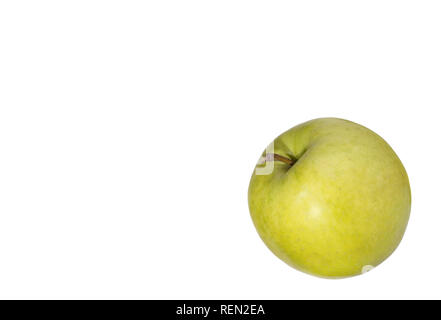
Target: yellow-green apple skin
column 341, row 209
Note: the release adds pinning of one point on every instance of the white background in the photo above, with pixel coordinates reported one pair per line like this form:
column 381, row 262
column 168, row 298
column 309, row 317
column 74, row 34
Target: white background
column 129, row 131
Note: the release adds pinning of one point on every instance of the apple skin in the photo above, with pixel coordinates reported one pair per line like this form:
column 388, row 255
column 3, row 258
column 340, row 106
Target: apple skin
column 341, row 209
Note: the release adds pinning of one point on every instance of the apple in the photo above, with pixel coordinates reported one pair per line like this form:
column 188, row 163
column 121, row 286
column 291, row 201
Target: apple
column 330, row 198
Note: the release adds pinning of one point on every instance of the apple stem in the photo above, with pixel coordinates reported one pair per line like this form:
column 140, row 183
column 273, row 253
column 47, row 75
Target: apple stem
column 278, row 157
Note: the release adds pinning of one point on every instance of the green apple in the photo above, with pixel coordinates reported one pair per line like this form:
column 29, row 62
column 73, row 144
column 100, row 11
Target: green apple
column 330, row 197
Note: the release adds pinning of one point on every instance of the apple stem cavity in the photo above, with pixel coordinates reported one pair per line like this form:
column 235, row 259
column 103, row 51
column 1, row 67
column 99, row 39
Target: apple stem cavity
column 278, row 157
